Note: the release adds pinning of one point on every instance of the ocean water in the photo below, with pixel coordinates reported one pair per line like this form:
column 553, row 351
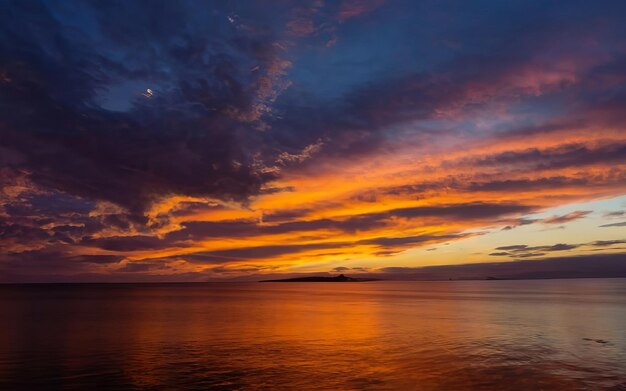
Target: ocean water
column 457, row 335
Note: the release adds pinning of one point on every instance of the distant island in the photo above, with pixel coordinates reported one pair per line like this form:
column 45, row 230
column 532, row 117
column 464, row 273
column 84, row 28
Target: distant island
column 339, row 278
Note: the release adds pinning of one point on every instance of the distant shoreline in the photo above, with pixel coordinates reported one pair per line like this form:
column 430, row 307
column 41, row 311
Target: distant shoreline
column 227, row 282
column 339, row 278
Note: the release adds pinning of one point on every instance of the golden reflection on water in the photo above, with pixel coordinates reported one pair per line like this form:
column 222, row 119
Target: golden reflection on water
column 493, row 335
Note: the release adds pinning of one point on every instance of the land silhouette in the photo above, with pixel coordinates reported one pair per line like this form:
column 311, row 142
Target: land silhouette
column 339, row 278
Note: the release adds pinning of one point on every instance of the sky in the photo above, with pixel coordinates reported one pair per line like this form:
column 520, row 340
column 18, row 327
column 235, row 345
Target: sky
column 220, row 140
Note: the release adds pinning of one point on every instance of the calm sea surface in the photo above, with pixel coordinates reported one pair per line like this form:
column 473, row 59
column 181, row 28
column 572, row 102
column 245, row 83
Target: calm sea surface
column 474, row 335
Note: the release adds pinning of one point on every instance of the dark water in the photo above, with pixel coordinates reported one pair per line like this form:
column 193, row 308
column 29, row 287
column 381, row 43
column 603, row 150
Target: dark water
column 491, row 335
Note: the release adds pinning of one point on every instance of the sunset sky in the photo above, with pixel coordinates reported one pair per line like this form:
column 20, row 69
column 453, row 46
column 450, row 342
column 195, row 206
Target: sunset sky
column 206, row 140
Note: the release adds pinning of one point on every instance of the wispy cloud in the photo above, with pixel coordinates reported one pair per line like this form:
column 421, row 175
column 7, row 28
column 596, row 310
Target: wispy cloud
column 579, row 214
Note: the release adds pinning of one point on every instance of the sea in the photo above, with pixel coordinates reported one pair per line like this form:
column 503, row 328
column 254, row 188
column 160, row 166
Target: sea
column 380, row 335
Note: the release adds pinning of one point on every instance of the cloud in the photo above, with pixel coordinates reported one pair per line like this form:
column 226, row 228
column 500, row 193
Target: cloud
column 579, row 214
column 463, row 211
column 358, row 269
column 42, row 264
column 584, row 266
column 620, row 224
column 126, row 243
column 286, row 158
column 141, row 267
column 525, row 251
column 381, row 245
column 576, row 215
column 391, row 245
column 527, row 184
column 242, row 228
column 520, row 222
column 154, row 148
column 603, row 243
column 271, row 132
column 618, row 213
column 573, row 155
column 244, row 270
column 354, row 8
column 257, row 252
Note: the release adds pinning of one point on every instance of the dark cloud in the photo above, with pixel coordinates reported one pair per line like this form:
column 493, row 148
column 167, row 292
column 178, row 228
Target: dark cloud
column 195, row 146
column 242, row 269
column 584, row 266
column 127, row 243
column 573, row 155
column 37, row 232
column 214, row 77
column 520, row 222
column 620, row 224
column 617, row 213
column 515, row 247
column 358, row 269
column 463, row 211
column 285, row 215
column 579, row 214
column 528, row 184
column 493, row 183
column 21, row 233
column 141, row 267
column 191, row 208
column 105, row 259
column 396, row 244
column 525, row 251
column 604, row 243
column 40, row 265
column 576, row 215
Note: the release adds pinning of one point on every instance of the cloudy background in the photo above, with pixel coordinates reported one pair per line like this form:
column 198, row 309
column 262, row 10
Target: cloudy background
column 192, row 141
